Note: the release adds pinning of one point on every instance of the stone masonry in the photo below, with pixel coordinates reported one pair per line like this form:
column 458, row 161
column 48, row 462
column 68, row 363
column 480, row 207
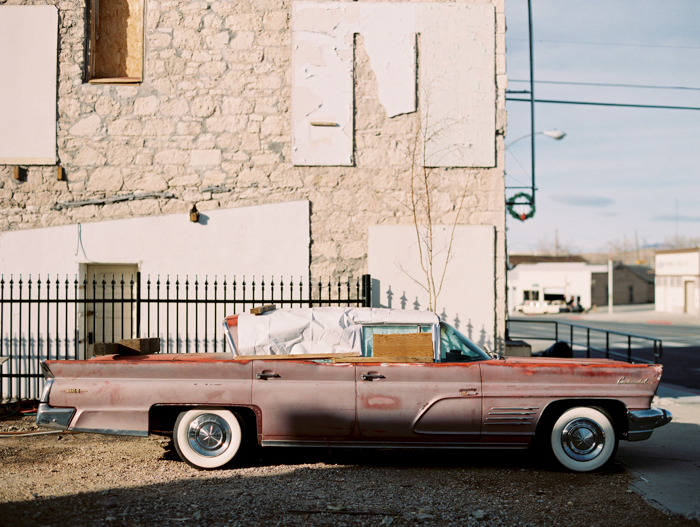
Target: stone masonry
column 210, row 125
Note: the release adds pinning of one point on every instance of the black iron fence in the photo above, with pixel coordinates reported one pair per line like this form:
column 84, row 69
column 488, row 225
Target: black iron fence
column 596, row 342
column 63, row 318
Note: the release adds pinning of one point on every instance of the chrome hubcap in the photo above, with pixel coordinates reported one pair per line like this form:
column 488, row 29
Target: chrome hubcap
column 582, row 439
column 209, row 435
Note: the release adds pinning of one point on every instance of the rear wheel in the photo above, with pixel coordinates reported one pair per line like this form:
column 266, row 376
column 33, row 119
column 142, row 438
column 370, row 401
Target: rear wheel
column 583, row 439
column 207, row 438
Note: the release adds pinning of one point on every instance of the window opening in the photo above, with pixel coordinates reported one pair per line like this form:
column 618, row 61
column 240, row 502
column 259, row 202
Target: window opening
column 116, row 42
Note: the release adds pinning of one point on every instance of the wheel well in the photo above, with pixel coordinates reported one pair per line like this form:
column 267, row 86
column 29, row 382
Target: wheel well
column 161, row 418
column 616, row 411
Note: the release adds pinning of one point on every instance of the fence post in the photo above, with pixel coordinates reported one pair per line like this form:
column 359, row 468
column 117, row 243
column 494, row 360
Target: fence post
column 588, row 343
column 138, row 304
column 629, row 348
column 366, row 290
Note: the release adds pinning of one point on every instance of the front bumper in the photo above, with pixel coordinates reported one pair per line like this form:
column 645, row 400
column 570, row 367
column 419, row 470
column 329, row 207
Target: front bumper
column 641, row 423
column 57, row 418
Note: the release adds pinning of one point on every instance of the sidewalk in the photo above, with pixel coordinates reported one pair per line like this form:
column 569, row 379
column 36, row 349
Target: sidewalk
column 668, row 464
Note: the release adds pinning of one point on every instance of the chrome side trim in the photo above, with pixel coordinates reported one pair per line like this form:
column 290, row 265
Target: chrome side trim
column 512, row 413
column 439, row 433
column 641, row 423
column 515, row 408
column 501, row 423
column 111, row 432
column 362, row 444
column 56, row 418
column 47, row 389
column 45, row 370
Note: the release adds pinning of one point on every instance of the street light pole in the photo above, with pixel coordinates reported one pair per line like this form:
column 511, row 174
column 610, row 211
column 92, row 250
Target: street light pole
column 532, row 102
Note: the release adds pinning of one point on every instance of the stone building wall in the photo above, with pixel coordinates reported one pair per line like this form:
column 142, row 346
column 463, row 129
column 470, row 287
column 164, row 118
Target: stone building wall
column 210, row 124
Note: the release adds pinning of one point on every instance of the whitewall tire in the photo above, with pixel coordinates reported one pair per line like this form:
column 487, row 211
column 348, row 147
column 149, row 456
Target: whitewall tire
column 583, row 439
column 207, row 438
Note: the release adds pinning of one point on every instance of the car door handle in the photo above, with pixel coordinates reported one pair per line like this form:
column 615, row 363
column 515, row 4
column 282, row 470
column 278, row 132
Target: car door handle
column 266, row 375
column 370, row 376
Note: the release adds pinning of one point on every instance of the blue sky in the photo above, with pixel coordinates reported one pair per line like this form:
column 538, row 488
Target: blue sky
column 618, row 170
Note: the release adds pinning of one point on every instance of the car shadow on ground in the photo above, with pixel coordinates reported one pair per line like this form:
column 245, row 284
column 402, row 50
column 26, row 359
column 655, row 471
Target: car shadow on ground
column 287, row 486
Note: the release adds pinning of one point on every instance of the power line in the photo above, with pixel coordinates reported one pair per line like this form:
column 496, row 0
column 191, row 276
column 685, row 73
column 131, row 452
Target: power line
column 620, row 105
column 609, row 84
column 605, row 43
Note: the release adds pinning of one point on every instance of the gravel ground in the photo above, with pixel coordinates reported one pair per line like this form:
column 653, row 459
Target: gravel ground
column 87, row 479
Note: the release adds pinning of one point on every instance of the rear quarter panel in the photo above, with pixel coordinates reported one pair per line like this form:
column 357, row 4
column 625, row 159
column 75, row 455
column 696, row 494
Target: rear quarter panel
column 517, row 391
column 116, row 396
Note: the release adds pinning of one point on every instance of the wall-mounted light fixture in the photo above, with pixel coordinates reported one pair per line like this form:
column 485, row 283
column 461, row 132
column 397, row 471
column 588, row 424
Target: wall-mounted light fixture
column 194, row 214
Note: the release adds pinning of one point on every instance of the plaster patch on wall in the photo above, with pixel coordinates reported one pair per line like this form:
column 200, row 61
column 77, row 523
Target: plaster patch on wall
column 28, row 57
column 457, row 80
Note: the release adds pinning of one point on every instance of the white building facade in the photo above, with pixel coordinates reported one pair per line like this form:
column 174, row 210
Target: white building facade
column 677, row 287
column 551, row 281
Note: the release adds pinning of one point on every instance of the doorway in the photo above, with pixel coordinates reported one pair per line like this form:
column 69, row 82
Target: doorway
column 111, row 292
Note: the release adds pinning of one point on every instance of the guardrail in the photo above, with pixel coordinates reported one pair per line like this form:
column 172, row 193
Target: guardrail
column 603, row 341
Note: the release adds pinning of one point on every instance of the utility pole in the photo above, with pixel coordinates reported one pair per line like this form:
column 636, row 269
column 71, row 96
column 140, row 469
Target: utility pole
column 610, row 285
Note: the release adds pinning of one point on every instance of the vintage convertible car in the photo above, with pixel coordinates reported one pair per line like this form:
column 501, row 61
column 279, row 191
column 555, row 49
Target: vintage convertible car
column 337, row 377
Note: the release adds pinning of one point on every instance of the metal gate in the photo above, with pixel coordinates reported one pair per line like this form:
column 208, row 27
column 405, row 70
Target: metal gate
column 58, row 318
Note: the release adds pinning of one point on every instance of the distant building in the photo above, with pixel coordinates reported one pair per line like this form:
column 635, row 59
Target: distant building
column 677, row 281
column 632, row 284
column 552, row 281
column 579, row 282
column 517, row 259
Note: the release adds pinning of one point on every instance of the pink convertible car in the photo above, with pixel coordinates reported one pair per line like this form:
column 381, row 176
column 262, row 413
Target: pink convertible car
column 362, row 377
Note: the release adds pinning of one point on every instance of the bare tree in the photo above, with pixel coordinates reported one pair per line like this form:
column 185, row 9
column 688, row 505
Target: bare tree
column 422, row 186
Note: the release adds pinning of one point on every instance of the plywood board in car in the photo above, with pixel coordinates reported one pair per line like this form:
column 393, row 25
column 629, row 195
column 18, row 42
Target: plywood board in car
column 403, row 345
column 300, row 356
column 382, row 359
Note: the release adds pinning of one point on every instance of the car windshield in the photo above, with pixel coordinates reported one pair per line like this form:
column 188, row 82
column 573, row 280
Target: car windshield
column 455, row 347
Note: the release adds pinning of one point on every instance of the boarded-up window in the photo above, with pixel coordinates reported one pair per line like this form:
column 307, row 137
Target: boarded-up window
column 28, row 56
column 116, row 41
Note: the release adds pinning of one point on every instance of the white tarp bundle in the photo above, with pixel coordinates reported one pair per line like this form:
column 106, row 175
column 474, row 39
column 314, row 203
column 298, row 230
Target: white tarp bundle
column 316, row 330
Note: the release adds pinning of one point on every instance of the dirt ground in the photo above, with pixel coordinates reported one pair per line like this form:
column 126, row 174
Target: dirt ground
column 86, row 479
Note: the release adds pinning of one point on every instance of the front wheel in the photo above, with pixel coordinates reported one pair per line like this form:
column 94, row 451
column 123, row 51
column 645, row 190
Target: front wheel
column 207, row 438
column 583, row 439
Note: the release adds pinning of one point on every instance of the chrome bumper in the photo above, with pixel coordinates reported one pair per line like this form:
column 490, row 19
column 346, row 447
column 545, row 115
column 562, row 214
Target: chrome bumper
column 58, row 418
column 641, row 423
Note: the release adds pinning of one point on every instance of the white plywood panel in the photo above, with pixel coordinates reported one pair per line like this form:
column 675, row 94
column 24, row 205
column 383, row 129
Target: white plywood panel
column 28, row 56
column 261, row 241
column 457, row 84
column 457, row 81
column 468, row 299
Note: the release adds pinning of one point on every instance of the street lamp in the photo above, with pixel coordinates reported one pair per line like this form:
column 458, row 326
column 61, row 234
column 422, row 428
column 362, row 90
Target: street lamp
column 554, row 134
column 557, row 135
